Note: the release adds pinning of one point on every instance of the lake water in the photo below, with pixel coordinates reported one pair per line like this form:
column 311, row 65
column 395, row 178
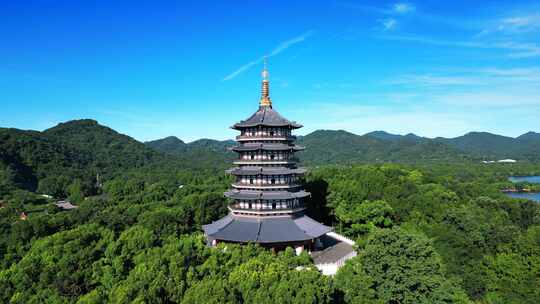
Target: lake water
column 529, row 196
column 529, row 179
column 525, row 195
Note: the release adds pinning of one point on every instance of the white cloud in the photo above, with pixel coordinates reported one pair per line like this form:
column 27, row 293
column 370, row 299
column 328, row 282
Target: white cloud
column 467, row 77
column 517, row 50
column 442, row 103
column 403, row 8
column 514, row 86
column 494, row 98
column 360, row 119
column 287, row 44
column 280, row 48
column 389, row 24
column 242, row 69
column 516, row 24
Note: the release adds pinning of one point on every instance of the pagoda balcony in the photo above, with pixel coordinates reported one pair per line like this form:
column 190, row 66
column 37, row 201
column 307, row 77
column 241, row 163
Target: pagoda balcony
column 264, row 212
column 259, row 171
column 265, row 137
column 261, row 186
column 266, row 161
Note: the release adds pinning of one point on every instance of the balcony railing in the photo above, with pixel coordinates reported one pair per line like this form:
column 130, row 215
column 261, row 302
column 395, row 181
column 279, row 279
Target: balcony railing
column 265, row 137
column 264, row 186
column 291, row 160
column 253, row 211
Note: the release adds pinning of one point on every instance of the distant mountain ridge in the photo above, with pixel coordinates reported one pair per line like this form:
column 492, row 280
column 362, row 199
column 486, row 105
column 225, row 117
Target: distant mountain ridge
column 81, row 149
column 389, row 136
column 340, row 146
column 483, row 145
column 172, row 144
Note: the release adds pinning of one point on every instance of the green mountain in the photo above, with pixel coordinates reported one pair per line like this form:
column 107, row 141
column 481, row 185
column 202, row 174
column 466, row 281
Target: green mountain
column 51, row 160
column 170, row 145
column 529, row 137
column 173, row 145
column 107, row 149
column 484, row 145
column 202, row 153
column 78, row 149
column 327, row 146
column 212, row 145
column 391, row 137
column 481, row 143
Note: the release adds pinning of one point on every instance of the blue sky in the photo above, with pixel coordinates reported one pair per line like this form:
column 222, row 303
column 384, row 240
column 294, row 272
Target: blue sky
column 192, row 68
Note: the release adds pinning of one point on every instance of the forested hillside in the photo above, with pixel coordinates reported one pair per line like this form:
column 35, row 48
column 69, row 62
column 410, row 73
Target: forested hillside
column 51, row 160
column 429, row 230
column 342, row 147
column 199, row 153
column 481, row 145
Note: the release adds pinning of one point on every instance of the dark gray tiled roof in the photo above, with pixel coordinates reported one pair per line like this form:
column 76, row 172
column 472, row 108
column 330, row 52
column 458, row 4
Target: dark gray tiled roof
column 264, row 230
column 267, row 147
column 218, row 225
column 266, row 171
column 311, row 226
column 266, row 116
column 266, row 195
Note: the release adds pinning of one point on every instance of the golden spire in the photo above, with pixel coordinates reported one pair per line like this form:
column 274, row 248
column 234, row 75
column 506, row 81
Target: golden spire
column 265, row 91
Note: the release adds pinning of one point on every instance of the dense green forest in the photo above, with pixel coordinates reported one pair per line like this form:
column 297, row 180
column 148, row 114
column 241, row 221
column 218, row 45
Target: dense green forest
column 427, row 232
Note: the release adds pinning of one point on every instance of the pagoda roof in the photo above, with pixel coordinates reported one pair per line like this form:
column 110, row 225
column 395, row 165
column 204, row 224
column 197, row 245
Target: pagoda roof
column 265, row 171
column 266, row 116
column 266, row 146
column 265, row 195
column 276, row 229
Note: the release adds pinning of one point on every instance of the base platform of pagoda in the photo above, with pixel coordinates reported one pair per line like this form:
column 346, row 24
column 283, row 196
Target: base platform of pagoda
column 265, row 230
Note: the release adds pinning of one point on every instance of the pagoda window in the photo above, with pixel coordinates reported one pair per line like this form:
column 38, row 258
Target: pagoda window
column 273, row 181
column 251, row 180
column 272, row 157
column 271, row 133
column 273, row 205
column 249, row 206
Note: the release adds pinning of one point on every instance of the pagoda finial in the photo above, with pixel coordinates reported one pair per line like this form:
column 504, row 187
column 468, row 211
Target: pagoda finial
column 265, row 91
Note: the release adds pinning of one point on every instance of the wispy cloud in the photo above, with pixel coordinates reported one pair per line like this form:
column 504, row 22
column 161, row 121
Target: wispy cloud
column 388, row 24
column 242, row 69
column 287, row 44
column 277, row 50
column 393, row 9
column 403, row 8
column 517, row 49
column 514, row 24
column 494, row 78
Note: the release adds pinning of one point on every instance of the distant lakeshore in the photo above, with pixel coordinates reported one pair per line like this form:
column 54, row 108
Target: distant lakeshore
column 524, row 193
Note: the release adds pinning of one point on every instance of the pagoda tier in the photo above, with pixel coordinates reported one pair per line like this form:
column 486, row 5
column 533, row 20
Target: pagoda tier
column 254, row 170
column 266, row 199
column 250, row 195
column 258, row 146
column 264, row 118
column 272, row 230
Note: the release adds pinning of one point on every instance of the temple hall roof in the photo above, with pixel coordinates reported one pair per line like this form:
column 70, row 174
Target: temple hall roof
column 266, row 116
column 265, row 230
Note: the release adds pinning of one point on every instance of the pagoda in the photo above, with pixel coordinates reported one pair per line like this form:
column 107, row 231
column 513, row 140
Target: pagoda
column 267, row 202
